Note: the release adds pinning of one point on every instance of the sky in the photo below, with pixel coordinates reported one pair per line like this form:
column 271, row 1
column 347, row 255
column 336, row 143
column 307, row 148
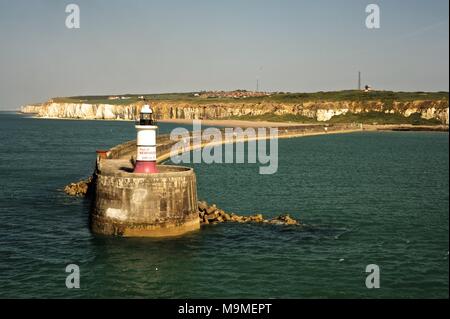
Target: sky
column 146, row 46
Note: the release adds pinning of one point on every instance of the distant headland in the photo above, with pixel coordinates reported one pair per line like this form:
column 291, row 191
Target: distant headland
column 350, row 106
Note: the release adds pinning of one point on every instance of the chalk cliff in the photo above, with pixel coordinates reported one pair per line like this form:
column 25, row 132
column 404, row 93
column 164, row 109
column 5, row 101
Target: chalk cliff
column 31, row 108
column 321, row 111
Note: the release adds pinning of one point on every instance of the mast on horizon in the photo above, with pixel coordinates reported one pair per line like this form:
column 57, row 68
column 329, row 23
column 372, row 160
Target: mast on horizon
column 359, row 80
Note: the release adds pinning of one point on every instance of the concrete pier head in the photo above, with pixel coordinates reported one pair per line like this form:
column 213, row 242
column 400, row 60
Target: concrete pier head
column 144, row 205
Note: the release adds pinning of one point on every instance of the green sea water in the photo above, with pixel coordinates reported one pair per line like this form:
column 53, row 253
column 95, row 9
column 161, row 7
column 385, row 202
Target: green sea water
column 367, row 198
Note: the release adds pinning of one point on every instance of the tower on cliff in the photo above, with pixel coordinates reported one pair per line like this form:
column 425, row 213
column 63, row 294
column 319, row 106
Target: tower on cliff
column 359, row 80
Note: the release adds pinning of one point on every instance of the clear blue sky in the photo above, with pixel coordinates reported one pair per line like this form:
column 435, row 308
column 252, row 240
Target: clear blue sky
column 144, row 46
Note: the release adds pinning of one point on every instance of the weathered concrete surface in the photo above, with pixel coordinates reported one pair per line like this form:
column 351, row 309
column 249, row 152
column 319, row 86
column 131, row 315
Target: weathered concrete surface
column 144, row 205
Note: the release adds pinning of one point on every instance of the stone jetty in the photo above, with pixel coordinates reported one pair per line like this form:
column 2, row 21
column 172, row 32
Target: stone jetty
column 162, row 204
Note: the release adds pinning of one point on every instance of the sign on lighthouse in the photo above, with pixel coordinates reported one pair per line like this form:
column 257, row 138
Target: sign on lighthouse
column 146, row 142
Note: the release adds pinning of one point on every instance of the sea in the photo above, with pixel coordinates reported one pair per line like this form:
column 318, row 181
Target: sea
column 365, row 198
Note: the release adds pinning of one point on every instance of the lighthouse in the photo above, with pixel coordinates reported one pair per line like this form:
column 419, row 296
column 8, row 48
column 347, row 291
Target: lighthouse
column 146, row 142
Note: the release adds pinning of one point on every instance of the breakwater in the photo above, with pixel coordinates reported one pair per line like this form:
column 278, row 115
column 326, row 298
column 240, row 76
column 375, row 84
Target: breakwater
column 165, row 144
column 165, row 203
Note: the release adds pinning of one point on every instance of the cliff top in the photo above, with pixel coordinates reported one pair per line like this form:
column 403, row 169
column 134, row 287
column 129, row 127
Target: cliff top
column 255, row 97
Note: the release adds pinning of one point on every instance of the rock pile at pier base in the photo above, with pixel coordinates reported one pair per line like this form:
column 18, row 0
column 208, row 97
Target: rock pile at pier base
column 213, row 215
column 80, row 188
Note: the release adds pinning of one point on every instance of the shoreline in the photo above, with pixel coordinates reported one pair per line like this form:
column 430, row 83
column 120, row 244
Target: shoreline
column 266, row 124
column 34, row 116
column 240, row 123
column 405, row 128
column 256, row 124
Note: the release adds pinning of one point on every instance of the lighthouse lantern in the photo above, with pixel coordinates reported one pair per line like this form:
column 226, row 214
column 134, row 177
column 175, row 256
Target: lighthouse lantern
column 146, row 116
column 146, row 142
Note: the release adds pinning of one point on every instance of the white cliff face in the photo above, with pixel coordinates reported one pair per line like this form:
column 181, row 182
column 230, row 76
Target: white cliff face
column 428, row 110
column 32, row 108
column 321, row 111
column 84, row 111
column 433, row 113
column 326, row 114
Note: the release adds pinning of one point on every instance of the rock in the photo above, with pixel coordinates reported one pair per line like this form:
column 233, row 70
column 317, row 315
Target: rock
column 237, row 218
column 276, row 222
column 257, row 218
column 213, row 215
column 290, row 221
column 80, row 188
column 284, row 220
column 202, row 206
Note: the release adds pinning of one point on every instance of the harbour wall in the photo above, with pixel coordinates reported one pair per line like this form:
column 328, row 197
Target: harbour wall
column 127, row 150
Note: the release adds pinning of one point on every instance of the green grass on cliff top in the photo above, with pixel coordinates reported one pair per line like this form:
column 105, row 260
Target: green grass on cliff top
column 365, row 118
column 348, row 95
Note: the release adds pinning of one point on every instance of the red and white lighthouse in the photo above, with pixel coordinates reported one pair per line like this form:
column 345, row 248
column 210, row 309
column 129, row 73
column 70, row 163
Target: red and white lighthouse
column 146, row 142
